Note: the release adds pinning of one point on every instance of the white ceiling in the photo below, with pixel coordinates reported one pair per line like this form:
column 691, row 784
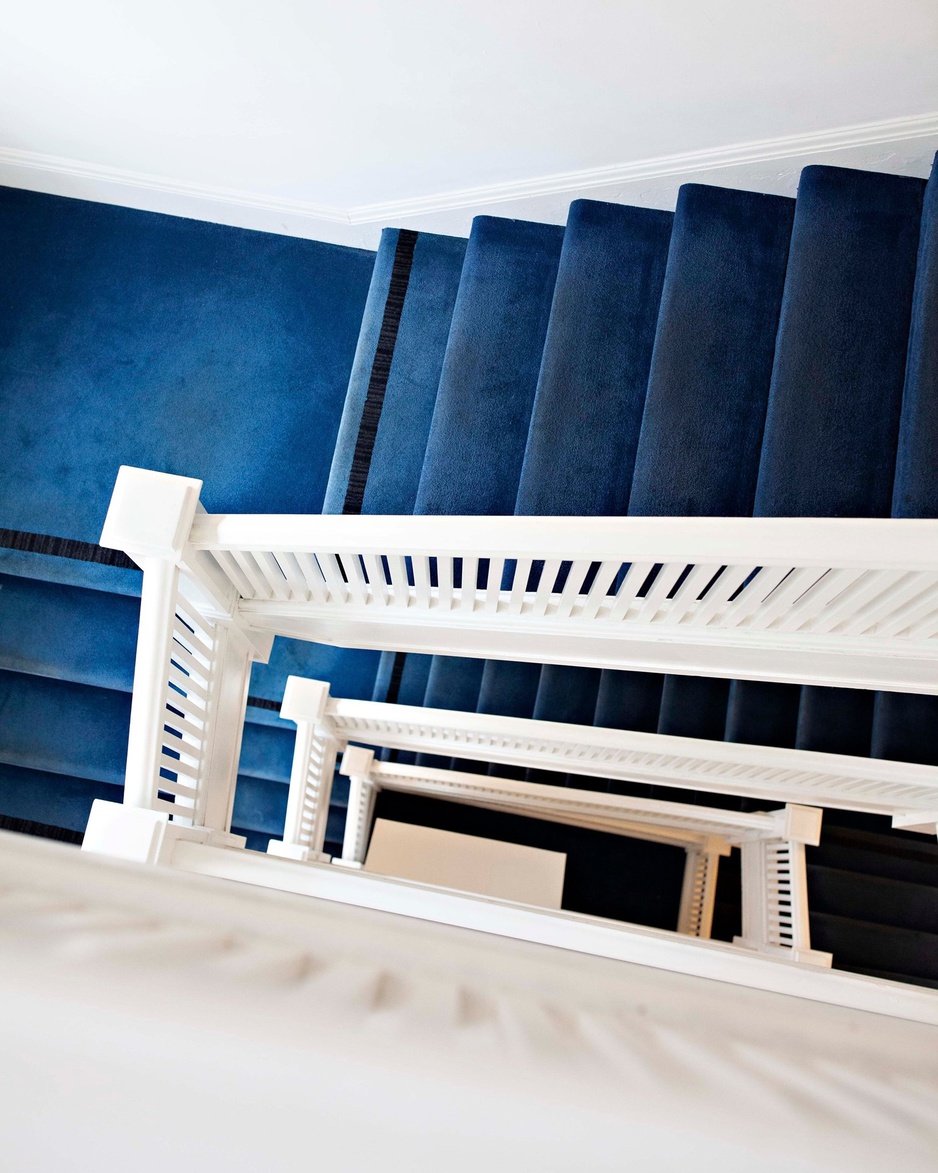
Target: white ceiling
column 311, row 117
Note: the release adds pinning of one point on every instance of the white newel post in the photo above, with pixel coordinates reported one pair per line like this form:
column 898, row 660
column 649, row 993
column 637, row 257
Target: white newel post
column 701, row 866
column 356, row 766
column 775, row 888
column 314, row 758
column 190, row 682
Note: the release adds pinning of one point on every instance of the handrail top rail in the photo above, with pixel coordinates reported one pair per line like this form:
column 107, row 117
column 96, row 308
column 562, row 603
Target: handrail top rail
column 874, row 543
column 346, row 713
column 393, row 775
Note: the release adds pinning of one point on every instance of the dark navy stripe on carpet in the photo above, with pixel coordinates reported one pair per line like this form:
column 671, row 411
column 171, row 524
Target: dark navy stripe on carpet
column 11, row 539
column 380, row 370
column 394, row 380
column 41, row 830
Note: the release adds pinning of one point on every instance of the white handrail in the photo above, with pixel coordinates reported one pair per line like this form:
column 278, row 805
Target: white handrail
column 898, row 789
column 862, row 543
column 849, row 602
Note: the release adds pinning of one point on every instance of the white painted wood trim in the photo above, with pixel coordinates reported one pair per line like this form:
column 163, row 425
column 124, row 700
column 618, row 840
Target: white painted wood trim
column 767, row 772
column 355, row 224
column 810, row 600
column 563, row 930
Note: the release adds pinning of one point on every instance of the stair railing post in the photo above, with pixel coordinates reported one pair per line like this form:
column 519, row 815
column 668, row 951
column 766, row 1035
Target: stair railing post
column 356, row 766
column 149, row 519
column 698, row 894
column 775, row 887
column 190, row 680
column 314, row 758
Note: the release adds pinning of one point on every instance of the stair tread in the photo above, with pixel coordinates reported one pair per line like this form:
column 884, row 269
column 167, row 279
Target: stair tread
column 864, row 944
column 875, row 899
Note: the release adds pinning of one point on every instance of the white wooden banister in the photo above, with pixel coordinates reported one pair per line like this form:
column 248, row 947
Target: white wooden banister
column 843, row 601
column 840, row 601
column 905, row 791
column 775, row 889
column 191, row 677
column 775, row 898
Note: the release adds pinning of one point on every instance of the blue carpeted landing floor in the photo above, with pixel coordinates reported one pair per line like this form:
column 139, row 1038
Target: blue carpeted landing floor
column 745, row 354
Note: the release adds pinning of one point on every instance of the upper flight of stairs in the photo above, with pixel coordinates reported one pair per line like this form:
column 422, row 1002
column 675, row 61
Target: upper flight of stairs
column 745, row 355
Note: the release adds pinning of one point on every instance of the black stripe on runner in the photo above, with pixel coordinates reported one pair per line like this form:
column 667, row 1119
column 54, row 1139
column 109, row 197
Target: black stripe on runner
column 260, row 702
column 40, row 830
column 397, row 673
column 13, row 539
column 380, row 371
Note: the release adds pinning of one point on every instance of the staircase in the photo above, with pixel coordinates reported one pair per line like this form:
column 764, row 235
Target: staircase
column 747, row 355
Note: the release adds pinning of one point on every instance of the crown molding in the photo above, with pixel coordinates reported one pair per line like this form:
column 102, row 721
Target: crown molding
column 77, row 169
column 356, row 224
column 740, row 154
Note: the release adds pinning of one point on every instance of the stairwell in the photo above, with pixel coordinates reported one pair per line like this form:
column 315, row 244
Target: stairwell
column 746, row 355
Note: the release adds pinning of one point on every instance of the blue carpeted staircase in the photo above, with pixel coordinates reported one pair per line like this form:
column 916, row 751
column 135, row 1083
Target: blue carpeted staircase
column 746, row 355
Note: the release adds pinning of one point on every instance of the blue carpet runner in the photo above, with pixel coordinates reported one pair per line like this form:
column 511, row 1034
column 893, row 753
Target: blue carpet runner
column 833, row 417
column 708, row 388
column 487, row 387
column 906, row 727
column 590, row 397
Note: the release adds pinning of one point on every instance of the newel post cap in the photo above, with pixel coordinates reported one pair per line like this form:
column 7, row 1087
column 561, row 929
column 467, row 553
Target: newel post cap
column 357, row 761
column 304, row 700
column 150, row 514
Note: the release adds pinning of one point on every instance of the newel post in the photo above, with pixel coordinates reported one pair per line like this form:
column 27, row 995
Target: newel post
column 698, row 894
column 356, row 766
column 775, row 887
column 149, row 519
column 314, row 758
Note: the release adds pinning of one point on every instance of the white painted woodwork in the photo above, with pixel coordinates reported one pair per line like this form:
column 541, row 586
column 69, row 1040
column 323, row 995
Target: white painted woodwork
column 850, row 602
column 897, row 789
column 684, row 824
column 227, row 1025
column 192, row 667
column 698, row 893
column 775, row 895
column 467, row 863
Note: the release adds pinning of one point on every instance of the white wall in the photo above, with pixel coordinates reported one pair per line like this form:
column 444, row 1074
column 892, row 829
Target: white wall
column 326, row 119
